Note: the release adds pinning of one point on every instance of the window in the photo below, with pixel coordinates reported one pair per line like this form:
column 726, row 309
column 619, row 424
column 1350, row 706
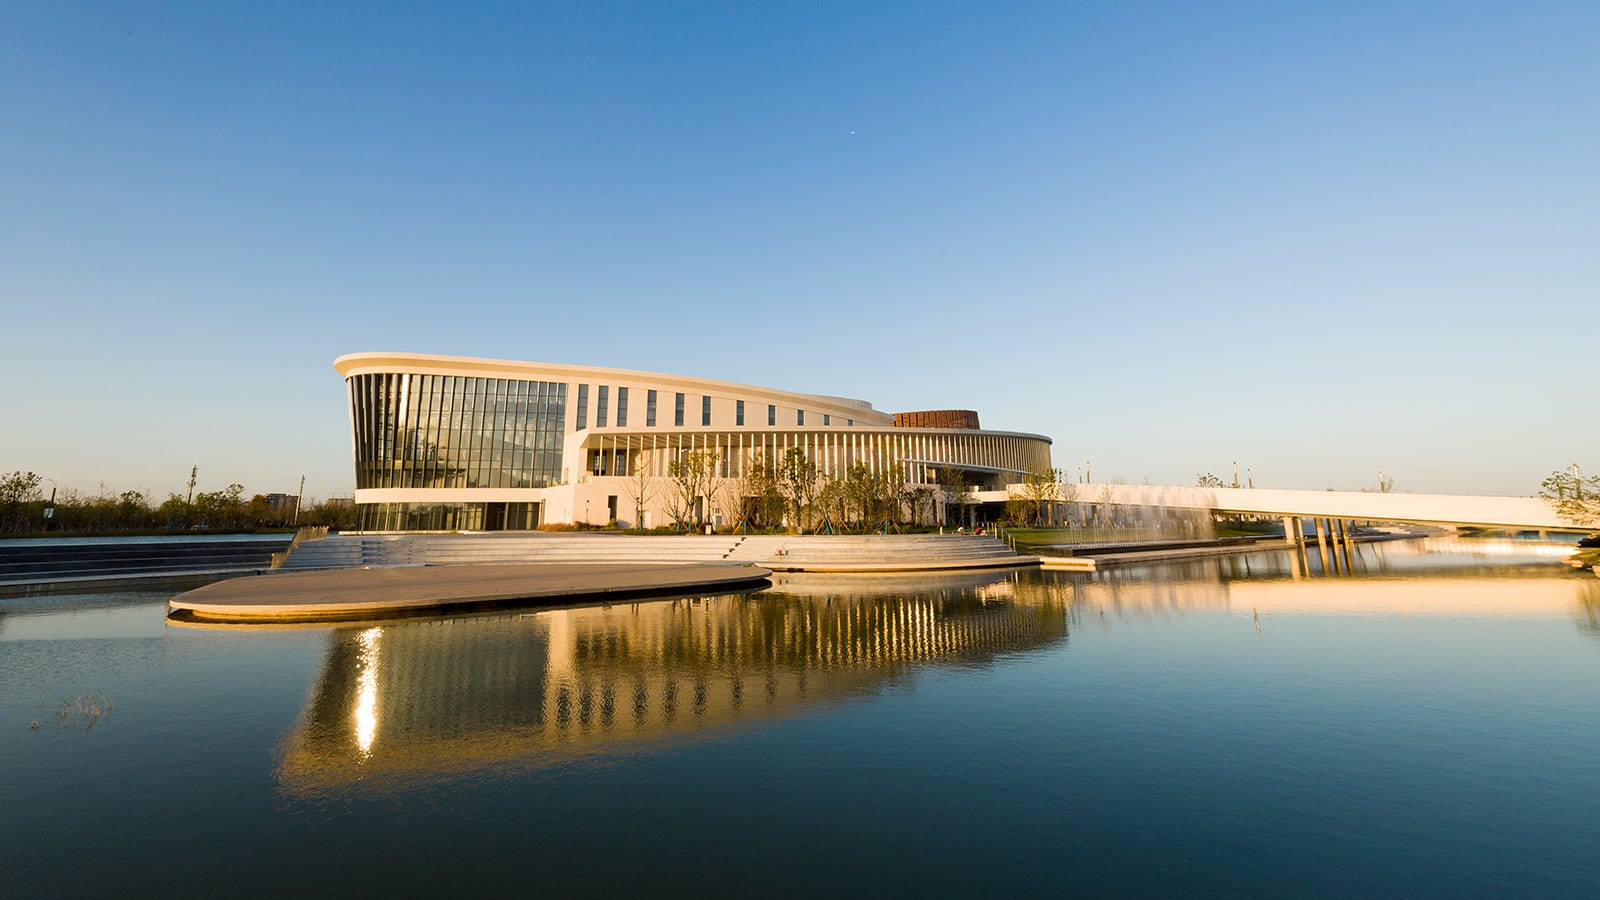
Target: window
column 583, row 407
column 849, row 423
column 650, row 409
column 705, row 410
column 601, row 407
column 738, row 413
column 826, row 419
column 772, row 414
column 622, row 407
column 799, row 416
column 677, row 412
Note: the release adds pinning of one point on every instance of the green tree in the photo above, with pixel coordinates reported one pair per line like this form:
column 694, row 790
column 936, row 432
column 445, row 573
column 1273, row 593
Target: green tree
column 17, row 490
column 1209, row 480
column 338, row 515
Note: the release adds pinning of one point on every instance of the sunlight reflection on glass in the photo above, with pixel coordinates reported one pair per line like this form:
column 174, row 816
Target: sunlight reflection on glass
column 367, row 692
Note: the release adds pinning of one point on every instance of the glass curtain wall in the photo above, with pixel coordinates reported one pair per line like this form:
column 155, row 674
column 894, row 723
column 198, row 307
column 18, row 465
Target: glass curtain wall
column 416, row 431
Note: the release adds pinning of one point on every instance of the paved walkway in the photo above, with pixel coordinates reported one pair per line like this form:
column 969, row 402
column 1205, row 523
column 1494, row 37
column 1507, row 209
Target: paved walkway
column 364, row 593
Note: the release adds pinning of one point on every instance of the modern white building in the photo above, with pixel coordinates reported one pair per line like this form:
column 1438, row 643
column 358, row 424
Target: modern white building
column 455, row 443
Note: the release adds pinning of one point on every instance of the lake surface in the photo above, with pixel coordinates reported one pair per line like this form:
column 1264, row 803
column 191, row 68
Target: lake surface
column 1426, row 723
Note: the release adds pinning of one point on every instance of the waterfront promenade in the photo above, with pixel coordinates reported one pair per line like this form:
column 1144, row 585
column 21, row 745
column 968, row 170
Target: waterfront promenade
column 371, row 593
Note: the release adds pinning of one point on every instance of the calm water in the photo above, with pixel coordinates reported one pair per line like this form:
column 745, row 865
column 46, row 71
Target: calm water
column 1427, row 724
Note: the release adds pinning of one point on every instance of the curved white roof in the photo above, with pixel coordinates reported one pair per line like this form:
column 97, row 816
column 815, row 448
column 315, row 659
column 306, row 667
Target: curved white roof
column 466, row 366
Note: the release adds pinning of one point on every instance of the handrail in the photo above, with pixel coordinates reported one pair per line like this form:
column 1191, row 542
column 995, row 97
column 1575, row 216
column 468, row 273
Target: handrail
column 306, row 533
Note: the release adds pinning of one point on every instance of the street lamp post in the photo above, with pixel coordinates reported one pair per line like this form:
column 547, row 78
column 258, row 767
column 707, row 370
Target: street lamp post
column 50, row 507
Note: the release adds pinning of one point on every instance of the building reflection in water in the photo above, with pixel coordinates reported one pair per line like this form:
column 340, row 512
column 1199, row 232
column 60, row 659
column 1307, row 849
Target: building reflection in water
column 440, row 697
column 437, row 697
column 1401, row 579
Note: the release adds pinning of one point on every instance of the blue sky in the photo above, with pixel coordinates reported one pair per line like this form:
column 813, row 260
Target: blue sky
column 1318, row 239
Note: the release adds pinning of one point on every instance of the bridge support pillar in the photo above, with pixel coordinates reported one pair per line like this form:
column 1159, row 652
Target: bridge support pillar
column 1321, row 525
column 1291, row 528
column 1344, row 543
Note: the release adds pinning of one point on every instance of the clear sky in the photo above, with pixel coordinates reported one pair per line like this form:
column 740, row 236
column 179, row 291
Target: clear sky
column 1319, row 239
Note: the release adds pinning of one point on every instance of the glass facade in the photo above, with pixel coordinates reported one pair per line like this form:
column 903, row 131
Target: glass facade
column 447, row 516
column 417, row 431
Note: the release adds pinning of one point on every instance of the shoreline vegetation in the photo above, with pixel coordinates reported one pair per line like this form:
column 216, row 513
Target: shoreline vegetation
column 856, row 505
column 27, row 511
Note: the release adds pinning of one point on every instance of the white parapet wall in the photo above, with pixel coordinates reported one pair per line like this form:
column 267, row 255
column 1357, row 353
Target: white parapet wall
column 1435, row 509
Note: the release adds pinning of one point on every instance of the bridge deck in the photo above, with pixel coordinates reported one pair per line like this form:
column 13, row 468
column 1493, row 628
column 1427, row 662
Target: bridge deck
column 1423, row 509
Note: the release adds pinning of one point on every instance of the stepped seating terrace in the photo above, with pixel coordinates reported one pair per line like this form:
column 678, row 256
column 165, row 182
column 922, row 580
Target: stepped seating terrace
column 777, row 552
column 66, row 559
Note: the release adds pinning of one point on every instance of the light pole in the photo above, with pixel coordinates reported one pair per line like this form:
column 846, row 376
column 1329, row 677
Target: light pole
column 50, row 507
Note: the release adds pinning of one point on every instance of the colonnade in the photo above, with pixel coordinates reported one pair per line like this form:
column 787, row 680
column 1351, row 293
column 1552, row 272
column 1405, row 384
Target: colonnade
column 1335, row 541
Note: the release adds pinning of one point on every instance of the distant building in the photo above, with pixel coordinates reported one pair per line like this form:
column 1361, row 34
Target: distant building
column 455, row 443
column 280, row 503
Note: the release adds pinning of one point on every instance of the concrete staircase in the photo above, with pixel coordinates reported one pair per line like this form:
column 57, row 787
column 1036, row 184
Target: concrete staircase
column 70, row 560
column 777, row 552
column 874, row 552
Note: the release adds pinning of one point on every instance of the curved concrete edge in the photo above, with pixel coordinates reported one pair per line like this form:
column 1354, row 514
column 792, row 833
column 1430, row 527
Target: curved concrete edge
column 1005, row 562
column 367, row 593
column 1068, row 563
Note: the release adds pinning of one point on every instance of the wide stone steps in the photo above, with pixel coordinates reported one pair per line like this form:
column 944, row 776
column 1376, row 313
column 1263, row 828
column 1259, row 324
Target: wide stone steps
column 771, row 551
column 39, row 561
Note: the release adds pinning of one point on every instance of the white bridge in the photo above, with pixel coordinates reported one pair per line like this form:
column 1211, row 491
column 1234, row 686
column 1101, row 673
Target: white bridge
column 1337, row 506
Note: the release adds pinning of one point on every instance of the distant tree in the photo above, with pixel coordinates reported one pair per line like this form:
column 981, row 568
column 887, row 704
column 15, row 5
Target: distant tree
column 797, row 481
column 761, row 497
column 1041, row 491
column 955, row 486
column 175, row 512
column 16, row 491
column 133, row 508
column 728, row 497
column 641, row 484
column 1018, row 509
column 693, row 480
column 1209, row 480
column 1575, row 496
column 893, row 496
column 337, row 515
column 922, row 502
